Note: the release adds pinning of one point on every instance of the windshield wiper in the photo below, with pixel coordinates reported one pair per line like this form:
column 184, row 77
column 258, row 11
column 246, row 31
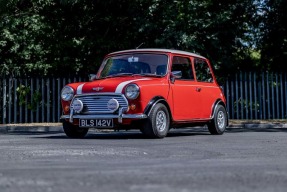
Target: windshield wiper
column 119, row 75
column 132, row 74
column 149, row 74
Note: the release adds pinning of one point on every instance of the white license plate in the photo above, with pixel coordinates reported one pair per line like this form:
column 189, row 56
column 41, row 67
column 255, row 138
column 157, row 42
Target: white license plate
column 100, row 123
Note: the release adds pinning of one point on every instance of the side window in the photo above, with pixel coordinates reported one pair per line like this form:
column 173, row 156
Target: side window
column 183, row 64
column 202, row 70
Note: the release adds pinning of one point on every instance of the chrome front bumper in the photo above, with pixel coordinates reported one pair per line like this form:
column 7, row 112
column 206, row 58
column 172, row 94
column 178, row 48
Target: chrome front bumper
column 120, row 116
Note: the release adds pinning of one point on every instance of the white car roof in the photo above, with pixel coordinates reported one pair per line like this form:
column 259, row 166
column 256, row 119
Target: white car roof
column 159, row 50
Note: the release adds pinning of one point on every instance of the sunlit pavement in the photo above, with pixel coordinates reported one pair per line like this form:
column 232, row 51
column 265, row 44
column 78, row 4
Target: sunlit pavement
column 242, row 159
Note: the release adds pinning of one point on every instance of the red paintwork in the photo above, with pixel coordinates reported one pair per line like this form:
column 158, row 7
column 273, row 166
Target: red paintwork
column 188, row 101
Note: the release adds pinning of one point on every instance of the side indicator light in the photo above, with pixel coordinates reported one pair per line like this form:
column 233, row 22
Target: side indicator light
column 132, row 107
column 67, row 108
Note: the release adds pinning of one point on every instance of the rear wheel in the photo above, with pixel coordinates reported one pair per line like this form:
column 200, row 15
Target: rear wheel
column 74, row 131
column 157, row 124
column 218, row 125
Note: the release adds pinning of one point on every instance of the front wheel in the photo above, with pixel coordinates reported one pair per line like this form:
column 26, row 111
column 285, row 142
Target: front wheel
column 218, row 125
column 157, row 124
column 74, row 131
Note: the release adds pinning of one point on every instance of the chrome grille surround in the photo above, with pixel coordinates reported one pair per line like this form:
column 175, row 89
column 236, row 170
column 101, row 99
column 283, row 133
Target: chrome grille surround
column 96, row 103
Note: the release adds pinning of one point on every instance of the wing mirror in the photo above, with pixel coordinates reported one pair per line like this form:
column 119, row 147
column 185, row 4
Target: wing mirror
column 92, row 77
column 175, row 75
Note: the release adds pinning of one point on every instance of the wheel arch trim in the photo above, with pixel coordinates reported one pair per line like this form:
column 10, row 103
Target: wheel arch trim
column 155, row 100
column 216, row 103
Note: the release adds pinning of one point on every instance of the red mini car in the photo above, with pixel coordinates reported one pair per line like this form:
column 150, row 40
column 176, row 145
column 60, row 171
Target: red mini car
column 152, row 90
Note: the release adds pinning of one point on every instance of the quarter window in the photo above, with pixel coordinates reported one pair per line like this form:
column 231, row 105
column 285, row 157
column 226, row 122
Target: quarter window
column 202, row 70
column 183, row 65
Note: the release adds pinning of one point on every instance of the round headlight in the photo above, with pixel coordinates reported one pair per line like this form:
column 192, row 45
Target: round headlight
column 132, row 91
column 67, row 93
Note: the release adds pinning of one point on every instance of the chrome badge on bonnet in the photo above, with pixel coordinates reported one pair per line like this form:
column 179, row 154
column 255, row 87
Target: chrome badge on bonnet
column 97, row 88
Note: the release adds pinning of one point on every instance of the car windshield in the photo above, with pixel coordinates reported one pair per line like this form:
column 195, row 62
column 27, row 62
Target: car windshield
column 145, row 64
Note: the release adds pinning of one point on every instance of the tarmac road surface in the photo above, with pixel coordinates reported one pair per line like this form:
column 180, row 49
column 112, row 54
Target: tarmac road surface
column 187, row 160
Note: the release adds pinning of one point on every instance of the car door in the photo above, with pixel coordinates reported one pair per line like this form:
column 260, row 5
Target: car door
column 206, row 86
column 186, row 97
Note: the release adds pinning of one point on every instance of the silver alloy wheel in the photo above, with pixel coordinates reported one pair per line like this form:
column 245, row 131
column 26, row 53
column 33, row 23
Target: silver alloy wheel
column 221, row 120
column 161, row 121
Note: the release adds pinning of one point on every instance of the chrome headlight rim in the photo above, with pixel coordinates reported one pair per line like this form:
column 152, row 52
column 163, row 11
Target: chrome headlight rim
column 132, row 91
column 67, row 93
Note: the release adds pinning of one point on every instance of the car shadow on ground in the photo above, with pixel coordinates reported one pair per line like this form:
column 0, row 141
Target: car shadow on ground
column 134, row 134
column 126, row 135
column 130, row 134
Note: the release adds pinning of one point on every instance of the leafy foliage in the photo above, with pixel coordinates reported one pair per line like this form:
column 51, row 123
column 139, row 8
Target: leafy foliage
column 274, row 40
column 25, row 98
column 219, row 31
column 68, row 37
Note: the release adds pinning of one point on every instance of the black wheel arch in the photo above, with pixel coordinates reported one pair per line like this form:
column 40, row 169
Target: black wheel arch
column 153, row 102
column 216, row 103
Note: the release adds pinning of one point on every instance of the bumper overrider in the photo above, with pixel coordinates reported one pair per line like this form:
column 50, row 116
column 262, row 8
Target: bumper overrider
column 100, row 106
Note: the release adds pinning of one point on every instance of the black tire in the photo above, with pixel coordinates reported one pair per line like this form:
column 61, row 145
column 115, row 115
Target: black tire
column 157, row 123
column 74, row 131
column 218, row 125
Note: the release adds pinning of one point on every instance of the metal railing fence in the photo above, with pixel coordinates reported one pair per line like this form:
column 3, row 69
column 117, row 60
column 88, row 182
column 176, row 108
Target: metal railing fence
column 27, row 100
column 257, row 96
column 249, row 96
